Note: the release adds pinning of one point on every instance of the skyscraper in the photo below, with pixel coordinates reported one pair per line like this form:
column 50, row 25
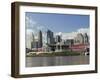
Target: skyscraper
column 58, row 38
column 86, row 38
column 40, row 43
column 50, row 37
column 29, row 40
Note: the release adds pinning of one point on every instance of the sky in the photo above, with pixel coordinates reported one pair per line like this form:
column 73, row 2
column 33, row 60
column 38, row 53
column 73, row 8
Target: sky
column 67, row 24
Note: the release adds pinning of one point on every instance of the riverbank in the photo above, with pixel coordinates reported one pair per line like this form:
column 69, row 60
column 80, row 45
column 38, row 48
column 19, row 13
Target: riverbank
column 59, row 53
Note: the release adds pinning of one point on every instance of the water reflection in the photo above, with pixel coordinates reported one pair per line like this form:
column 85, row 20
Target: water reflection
column 57, row 60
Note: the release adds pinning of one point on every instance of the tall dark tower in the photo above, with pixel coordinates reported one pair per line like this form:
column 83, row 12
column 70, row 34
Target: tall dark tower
column 50, row 38
column 40, row 39
column 58, row 38
column 86, row 38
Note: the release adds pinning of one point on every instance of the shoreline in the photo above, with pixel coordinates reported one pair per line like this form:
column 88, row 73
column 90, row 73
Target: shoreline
column 51, row 54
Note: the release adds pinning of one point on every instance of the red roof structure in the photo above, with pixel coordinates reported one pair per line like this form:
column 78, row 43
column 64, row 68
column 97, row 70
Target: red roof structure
column 79, row 47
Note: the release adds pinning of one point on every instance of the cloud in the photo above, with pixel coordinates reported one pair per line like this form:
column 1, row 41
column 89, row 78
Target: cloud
column 34, row 25
column 72, row 35
column 30, row 23
column 84, row 30
column 69, row 35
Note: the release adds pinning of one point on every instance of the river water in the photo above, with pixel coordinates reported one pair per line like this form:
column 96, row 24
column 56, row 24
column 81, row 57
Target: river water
column 56, row 61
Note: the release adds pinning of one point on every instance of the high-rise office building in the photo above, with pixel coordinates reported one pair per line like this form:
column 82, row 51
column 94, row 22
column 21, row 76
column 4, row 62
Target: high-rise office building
column 86, row 38
column 40, row 43
column 29, row 40
column 36, row 44
column 58, row 39
column 50, row 37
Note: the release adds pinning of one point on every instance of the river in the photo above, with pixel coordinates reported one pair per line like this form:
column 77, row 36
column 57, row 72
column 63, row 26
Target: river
column 56, row 60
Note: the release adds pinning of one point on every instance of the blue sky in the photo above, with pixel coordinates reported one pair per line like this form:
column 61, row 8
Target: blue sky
column 59, row 22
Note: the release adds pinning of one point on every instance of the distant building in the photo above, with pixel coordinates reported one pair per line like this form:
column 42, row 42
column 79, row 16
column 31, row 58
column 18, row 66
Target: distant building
column 35, row 48
column 69, row 42
column 81, row 42
column 29, row 40
column 79, row 39
column 58, row 39
column 86, row 38
column 40, row 44
column 50, row 37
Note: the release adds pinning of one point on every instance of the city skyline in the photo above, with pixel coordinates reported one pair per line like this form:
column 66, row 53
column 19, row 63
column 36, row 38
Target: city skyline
column 52, row 43
column 44, row 28
column 38, row 21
